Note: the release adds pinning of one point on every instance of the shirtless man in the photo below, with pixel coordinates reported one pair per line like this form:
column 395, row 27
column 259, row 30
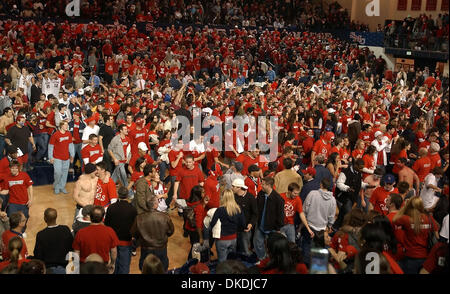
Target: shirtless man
column 407, row 174
column 6, row 119
column 85, row 188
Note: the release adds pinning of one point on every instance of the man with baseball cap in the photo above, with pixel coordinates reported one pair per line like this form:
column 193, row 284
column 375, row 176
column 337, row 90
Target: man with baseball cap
column 142, row 151
column 380, row 194
column 247, row 203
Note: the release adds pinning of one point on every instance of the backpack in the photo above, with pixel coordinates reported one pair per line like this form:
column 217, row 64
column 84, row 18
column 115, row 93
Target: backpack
column 189, row 215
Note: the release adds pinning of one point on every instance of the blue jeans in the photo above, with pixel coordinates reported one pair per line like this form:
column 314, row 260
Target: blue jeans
column 120, row 173
column 160, row 253
column 305, row 245
column 2, row 146
column 366, row 200
column 171, row 190
column 259, row 243
column 289, row 231
column 411, row 266
column 243, row 243
column 163, row 167
column 41, row 141
column 123, row 260
column 5, row 199
column 224, row 247
column 77, row 148
column 61, row 170
column 56, row 270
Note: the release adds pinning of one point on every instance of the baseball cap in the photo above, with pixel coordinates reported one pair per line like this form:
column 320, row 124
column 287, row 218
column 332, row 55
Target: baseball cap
column 378, row 133
column 142, row 146
column 89, row 168
column 434, row 147
column 239, row 183
column 199, row 268
column 309, row 170
column 389, row 179
column 329, row 136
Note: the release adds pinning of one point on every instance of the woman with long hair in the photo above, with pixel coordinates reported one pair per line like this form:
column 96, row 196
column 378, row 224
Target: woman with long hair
column 15, row 258
column 232, row 221
column 369, row 161
column 334, row 164
column 137, row 173
column 358, row 152
column 417, row 225
column 197, row 202
column 279, row 260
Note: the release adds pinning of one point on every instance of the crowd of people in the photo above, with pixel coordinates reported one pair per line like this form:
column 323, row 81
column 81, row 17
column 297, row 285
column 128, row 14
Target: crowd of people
column 277, row 14
column 361, row 155
column 425, row 33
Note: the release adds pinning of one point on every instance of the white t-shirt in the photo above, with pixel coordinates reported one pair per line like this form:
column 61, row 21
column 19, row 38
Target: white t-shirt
column 427, row 195
column 159, row 190
column 87, row 131
column 444, row 229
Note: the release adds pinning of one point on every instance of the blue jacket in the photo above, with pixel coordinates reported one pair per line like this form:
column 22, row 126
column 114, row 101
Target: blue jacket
column 323, row 172
column 308, row 187
column 229, row 225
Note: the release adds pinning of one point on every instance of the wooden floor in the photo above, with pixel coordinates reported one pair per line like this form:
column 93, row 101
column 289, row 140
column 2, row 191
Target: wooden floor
column 44, row 198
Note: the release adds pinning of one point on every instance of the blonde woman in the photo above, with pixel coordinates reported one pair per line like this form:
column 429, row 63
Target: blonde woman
column 416, row 224
column 232, row 221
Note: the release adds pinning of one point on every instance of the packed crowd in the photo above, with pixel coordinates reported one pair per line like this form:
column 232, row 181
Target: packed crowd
column 361, row 156
column 421, row 33
column 277, row 14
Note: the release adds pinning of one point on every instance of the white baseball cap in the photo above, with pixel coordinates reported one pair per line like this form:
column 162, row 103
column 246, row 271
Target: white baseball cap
column 142, row 146
column 239, row 183
column 378, row 133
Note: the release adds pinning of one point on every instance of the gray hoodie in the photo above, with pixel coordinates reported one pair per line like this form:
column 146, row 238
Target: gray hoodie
column 320, row 209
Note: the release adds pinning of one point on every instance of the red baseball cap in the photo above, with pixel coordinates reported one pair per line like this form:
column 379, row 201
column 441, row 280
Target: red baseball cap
column 329, row 136
column 199, row 268
column 309, row 170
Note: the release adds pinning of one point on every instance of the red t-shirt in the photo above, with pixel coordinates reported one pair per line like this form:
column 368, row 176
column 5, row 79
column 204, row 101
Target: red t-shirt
column 369, row 162
column 113, row 108
column 422, row 167
column 358, row 153
column 188, row 179
column 200, row 213
column 253, row 187
column 291, row 206
column 137, row 136
column 210, row 155
column 248, row 161
column 416, row 245
column 5, row 263
column 395, row 158
column 98, row 239
column 17, row 186
column 212, row 191
column 92, row 153
column 76, row 133
column 8, row 235
column 125, row 143
column 435, row 160
column 172, row 158
column 378, row 199
column 61, row 144
column 105, row 193
column 321, row 148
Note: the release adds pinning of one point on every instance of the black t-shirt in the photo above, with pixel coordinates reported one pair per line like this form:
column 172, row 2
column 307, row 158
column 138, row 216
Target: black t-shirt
column 19, row 137
column 53, row 244
column 120, row 217
column 107, row 133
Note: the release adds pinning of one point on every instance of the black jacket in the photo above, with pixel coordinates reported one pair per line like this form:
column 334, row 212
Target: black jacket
column 120, row 217
column 249, row 208
column 274, row 218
